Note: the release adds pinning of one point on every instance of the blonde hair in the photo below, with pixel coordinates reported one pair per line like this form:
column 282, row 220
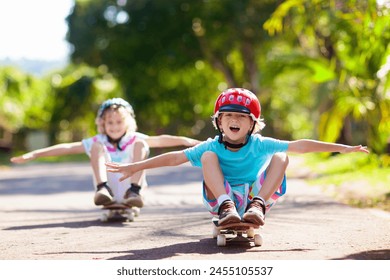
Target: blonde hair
column 259, row 125
column 123, row 108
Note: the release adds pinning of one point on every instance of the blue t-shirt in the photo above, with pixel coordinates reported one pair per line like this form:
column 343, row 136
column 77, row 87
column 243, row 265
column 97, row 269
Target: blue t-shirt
column 242, row 166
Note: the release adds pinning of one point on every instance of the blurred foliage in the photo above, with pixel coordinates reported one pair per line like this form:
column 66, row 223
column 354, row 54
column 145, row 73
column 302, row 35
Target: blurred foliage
column 79, row 91
column 320, row 68
column 348, row 42
column 24, row 100
column 173, row 57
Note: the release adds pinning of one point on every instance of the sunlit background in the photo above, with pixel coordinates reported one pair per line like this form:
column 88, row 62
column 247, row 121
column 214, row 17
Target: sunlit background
column 321, row 70
column 34, row 29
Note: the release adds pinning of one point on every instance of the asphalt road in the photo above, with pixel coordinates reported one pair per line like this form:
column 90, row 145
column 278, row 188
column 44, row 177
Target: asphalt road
column 47, row 213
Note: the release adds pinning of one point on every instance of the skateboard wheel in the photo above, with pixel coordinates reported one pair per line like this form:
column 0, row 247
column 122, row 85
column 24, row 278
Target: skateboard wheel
column 130, row 217
column 136, row 211
column 250, row 233
column 258, row 240
column 215, row 232
column 104, row 217
column 221, row 240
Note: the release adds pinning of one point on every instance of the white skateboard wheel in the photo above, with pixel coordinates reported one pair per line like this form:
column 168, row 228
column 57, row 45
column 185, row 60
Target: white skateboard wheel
column 130, row 217
column 258, row 240
column 221, row 240
column 136, row 211
column 104, row 217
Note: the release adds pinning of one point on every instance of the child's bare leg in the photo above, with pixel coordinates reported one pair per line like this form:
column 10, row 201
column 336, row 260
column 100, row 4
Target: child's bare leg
column 132, row 196
column 215, row 189
column 213, row 176
column 103, row 193
column 275, row 173
column 140, row 153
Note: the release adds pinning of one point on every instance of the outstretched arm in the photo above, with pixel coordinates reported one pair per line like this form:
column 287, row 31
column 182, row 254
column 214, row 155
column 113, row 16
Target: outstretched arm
column 309, row 146
column 128, row 169
column 165, row 140
column 56, row 150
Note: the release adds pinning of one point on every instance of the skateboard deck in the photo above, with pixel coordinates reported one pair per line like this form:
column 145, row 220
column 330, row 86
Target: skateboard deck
column 119, row 212
column 236, row 232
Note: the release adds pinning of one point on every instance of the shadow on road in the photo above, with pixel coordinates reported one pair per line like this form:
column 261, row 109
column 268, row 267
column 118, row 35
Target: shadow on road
column 204, row 247
column 368, row 255
column 74, row 225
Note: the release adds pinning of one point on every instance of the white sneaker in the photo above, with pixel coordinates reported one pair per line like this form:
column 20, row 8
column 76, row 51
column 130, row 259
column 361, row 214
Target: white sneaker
column 133, row 199
column 103, row 195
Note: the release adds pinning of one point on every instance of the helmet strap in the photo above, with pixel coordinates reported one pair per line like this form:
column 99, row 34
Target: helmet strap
column 116, row 141
column 234, row 146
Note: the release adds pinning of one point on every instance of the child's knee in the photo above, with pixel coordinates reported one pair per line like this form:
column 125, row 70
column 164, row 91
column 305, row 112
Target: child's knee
column 209, row 157
column 140, row 145
column 142, row 148
column 280, row 159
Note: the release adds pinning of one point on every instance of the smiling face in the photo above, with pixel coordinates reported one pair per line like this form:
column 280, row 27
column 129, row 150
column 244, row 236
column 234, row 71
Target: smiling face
column 235, row 126
column 115, row 125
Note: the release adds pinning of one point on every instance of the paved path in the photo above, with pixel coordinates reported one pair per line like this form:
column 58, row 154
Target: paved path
column 46, row 212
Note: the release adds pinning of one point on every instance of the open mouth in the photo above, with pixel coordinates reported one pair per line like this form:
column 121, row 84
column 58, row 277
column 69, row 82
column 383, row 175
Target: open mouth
column 234, row 128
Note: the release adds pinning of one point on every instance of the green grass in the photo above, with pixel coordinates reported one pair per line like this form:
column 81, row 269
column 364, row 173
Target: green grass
column 356, row 179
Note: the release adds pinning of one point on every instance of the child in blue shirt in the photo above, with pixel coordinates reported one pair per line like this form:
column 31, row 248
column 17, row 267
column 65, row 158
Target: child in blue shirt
column 244, row 172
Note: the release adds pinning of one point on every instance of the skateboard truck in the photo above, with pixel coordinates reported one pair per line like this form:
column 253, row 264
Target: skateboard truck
column 236, row 232
column 117, row 211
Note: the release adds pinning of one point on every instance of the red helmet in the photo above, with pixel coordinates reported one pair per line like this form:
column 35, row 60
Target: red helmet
column 238, row 100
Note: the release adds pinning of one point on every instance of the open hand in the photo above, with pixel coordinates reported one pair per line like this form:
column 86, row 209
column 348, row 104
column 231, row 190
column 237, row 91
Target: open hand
column 352, row 149
column 23, row 158
column 126, row 169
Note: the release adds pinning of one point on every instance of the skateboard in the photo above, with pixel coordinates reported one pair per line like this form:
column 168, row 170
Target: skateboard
column 236, row 232
column 119, row 212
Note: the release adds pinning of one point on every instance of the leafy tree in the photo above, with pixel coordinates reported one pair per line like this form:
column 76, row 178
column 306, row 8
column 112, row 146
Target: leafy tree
column 351, row 39
column 63, row 104
column 173, row 57
column 78, row 92
column 24, row 100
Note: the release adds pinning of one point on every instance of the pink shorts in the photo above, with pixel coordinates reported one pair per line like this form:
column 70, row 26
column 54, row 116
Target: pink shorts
column 243, row 194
